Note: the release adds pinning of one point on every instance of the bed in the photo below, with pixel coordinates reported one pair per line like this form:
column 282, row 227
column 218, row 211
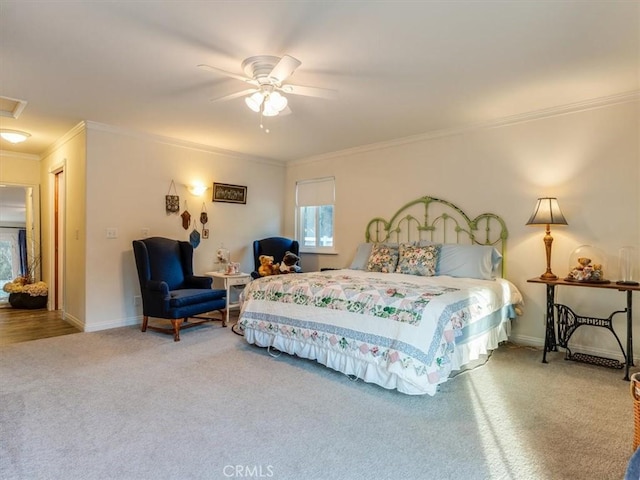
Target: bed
column 423, row 297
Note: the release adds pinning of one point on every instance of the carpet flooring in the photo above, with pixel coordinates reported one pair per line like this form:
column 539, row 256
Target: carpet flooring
column 121, row 404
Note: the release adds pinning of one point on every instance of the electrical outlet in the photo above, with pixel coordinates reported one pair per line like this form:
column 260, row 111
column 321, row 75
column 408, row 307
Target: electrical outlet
column 144, row 232
column 112, row 232
column 137, row 300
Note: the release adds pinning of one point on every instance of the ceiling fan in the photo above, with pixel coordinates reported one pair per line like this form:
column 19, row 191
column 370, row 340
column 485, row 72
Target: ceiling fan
column 267, row 75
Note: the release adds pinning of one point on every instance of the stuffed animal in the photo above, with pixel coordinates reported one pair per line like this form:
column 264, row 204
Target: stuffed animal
column 267, row 266
column 289, row 263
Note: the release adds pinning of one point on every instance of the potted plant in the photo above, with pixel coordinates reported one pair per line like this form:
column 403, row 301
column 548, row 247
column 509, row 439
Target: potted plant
column 25, row 293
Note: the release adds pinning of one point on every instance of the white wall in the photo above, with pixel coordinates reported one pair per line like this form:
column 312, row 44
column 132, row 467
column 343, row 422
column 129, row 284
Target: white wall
column 69, row 154
column 589, row 159
column 19, row 169
column 128, row 177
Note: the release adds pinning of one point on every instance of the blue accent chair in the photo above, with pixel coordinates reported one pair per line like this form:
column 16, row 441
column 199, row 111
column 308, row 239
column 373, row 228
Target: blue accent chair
column 275, row 247
column 169, row 288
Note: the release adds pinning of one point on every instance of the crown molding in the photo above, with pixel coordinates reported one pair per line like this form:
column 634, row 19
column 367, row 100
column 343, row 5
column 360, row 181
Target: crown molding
column 174, row 142
column 78, row 129
column 626, row 97
column 20, row 156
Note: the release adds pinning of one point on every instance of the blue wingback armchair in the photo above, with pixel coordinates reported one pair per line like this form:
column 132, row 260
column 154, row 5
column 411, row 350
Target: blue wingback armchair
column 275, row 247
column 169, row 288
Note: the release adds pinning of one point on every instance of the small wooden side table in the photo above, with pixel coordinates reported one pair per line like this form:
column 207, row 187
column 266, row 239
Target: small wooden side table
column 231, row 280
column 551, row 341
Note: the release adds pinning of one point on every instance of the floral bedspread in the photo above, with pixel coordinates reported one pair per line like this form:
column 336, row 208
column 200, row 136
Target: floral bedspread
column 399, row 331
column 378, row 297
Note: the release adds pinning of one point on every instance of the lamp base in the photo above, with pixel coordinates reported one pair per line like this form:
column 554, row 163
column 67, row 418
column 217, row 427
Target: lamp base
column 548, row 276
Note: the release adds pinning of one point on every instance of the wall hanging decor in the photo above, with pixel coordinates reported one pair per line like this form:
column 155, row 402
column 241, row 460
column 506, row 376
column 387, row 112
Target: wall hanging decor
column 194, row 237
column 172, row 202
column 204, row 218
column 186, row 217
column 223, row 192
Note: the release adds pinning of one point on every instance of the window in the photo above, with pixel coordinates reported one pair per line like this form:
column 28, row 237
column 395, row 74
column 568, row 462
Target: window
column 9, row 259
column 315, row 214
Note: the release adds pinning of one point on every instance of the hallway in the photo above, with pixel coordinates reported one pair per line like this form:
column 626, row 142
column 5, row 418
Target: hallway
column 19, row 325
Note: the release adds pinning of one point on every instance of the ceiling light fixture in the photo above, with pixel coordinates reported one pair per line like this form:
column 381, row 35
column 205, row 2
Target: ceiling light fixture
column 267, row 102
column 14, row 136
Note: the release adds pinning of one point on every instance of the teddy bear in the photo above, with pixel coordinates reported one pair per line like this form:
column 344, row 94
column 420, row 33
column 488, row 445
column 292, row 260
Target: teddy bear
column 267, row 267
column 289, row 263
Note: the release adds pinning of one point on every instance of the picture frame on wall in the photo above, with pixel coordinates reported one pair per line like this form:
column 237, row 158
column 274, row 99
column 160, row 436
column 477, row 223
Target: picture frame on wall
column 227, row 193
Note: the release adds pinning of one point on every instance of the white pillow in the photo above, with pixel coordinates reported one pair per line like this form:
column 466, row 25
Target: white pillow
column 469, row 261
column 362, row 257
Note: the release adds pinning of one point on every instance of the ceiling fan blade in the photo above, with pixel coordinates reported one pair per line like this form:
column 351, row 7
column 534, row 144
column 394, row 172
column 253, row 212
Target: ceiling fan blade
column 284, row 68
column 228, row 74
column 231, row 96
column 309, row 91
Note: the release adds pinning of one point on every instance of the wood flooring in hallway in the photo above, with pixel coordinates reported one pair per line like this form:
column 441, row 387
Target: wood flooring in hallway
column 20, row 325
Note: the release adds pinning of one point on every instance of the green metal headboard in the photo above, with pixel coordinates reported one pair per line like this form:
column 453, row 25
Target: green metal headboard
column 436, row 220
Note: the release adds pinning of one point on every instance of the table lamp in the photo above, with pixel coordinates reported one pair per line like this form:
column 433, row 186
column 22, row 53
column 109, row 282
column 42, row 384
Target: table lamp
column 547, row 212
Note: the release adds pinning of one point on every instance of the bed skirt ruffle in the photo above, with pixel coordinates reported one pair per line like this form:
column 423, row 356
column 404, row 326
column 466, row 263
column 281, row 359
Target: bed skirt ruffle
column 372, row 372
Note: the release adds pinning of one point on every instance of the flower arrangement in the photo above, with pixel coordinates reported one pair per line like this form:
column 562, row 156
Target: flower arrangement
column 23, row 285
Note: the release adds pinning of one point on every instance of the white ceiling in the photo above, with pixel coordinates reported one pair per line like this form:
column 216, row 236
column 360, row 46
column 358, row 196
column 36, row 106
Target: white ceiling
column 401, row 68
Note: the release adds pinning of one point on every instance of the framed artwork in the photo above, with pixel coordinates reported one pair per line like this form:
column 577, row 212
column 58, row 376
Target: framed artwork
column 223, row 192
column 205, row 233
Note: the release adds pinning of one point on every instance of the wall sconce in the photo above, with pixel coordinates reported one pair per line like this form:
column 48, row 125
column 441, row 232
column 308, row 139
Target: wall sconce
column 547, row 212
column 14, row 136
column 197, row 190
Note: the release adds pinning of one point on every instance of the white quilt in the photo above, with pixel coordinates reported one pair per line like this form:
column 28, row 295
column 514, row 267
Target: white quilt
column 399, row 331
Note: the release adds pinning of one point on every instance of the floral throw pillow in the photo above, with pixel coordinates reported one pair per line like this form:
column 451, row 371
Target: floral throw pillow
column 417, row 260
column 383, row 258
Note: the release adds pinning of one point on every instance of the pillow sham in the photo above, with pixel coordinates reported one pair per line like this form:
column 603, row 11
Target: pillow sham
column 469, row 261
column 383, row 258
column 418, row 260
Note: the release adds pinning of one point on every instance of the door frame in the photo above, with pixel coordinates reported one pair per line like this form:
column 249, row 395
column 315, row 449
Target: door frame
column 57, row 245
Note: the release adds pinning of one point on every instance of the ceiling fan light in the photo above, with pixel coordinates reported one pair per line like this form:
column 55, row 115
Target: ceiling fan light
column 14, row 136
column 255, row 101
column 277, row 102
column 269, row 111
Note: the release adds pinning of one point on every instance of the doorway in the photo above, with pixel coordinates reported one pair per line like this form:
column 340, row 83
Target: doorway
column 19, row 227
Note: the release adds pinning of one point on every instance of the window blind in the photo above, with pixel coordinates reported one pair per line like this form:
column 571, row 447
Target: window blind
column 319, row 191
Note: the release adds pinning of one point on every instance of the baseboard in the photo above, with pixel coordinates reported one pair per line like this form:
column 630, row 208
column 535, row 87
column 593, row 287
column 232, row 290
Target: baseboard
column 76, row 322
column 123, row 322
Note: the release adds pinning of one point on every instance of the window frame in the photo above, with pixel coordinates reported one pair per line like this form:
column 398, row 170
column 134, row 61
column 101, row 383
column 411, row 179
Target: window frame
column 308, row 186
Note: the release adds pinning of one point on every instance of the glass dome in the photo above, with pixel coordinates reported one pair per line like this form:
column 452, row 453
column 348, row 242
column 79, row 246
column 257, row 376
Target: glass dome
column 223, row 256
column 587, row 264
column 628, row 266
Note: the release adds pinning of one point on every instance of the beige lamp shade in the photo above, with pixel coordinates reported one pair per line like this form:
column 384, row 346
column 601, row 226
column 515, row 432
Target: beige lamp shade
column 547, row 212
